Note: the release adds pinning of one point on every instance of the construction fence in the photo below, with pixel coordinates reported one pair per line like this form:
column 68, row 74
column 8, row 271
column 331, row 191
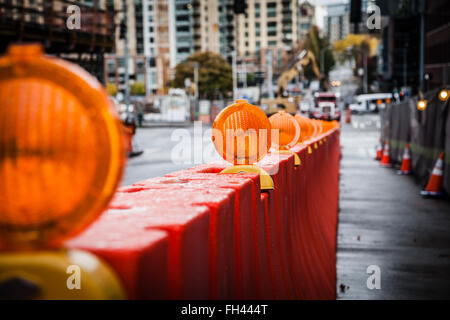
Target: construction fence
column 427, row 132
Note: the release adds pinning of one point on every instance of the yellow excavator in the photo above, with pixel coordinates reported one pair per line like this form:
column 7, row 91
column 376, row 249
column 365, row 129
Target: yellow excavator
column 282, row 101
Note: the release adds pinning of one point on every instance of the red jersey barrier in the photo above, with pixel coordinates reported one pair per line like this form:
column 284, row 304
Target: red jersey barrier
column 198, row 234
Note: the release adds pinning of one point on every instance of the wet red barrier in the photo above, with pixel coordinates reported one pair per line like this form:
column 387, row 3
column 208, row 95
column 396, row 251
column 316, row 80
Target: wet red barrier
column 199, row 234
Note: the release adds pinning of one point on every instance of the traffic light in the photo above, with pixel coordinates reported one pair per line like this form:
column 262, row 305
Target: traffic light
column 240, row 6
column 355, row 11
column 122, row 29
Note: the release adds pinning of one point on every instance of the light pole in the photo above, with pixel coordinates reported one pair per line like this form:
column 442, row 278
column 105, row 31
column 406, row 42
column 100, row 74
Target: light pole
column 322, row 61
column 269, row 73
column 233, row 71
column 127, row 80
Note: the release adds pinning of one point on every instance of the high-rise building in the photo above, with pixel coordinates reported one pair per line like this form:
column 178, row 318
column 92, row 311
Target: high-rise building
column 227, row 36
column 194, row 27
column 46, row 21
column 267, row 24
column 306, row 18
column 337, row 21
column 156, row 44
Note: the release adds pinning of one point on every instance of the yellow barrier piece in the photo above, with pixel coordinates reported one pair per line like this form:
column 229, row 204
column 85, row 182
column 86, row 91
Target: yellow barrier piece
column 309, row 150
column 264, row 178
column 60, row 274
column 297, row 160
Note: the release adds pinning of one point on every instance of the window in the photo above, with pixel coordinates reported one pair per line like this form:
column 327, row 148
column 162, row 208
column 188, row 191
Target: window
column 151, row 39
column 150, row 29
column 271, row 9
column 272, row 43
column 183, row 18
column 183, row 29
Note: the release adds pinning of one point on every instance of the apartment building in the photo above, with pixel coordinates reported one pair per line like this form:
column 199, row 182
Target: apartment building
column 306, row 18
column 46, row 22
column 194, row 27
column 337, row 21
column 267, row 24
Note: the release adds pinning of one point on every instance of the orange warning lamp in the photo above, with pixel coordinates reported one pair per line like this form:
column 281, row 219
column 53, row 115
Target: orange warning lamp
column 62, row 149
column 241, row 133
column 443, row 94
column 242, row 136
column 306, row 128
column 288, row 133
column 288, row 130
column 421, row 104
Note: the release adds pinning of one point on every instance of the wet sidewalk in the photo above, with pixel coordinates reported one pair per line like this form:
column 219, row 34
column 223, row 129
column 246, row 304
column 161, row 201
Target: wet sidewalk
column 384, row 222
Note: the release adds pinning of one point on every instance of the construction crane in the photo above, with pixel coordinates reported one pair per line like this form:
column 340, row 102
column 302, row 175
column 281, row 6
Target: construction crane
column 283, row 101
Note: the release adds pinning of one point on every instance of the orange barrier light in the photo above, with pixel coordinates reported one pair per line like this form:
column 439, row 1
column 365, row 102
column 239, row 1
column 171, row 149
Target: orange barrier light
column 421, row 104
column 241, row 133
column 61, row 149
column 289, row 130
column 443, row 94
column 306, row 127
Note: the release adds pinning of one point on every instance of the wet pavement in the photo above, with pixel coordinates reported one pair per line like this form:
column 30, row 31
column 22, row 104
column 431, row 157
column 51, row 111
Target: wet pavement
column 169, row 148
column 385, row 223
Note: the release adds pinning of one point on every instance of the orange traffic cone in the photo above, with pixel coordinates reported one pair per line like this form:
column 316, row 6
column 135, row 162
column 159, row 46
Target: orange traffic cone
column 406, row 162
column 434, row 186
column 379, row 151
column 385, row 161
column 348, row 116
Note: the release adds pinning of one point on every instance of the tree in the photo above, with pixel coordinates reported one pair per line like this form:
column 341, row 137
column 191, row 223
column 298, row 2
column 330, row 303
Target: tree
column 214, row 74
column 353, row 47
column 111, row 89
column 137, row 89
column 315, row 43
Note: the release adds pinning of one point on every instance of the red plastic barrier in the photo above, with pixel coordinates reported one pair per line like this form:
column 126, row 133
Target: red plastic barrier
column 197, row 234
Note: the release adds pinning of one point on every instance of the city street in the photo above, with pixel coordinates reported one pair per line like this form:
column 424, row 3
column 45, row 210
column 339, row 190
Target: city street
column 158, row 144
column 383, row 221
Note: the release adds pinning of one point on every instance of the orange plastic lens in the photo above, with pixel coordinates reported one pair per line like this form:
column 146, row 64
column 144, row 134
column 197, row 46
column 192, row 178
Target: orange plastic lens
column 288, row 129
column 241, row 133
column 318, row 125
column 61, row 149
column 443, row 95
column 421, row 105
column 306, row 127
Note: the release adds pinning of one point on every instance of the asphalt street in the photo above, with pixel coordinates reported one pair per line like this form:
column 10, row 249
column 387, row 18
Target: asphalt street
column 385, row 223
column 167, row 149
